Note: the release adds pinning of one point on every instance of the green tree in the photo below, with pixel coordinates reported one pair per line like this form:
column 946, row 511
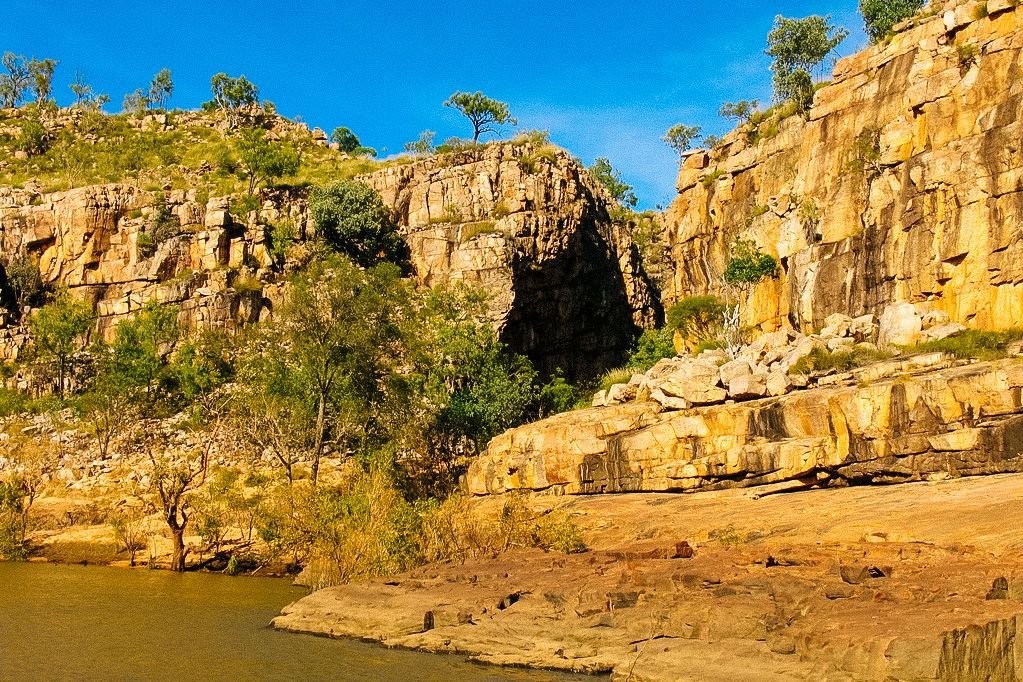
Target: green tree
column 798, row 47
column 345, row 139
column 424, row 145
column 880, row 16
column 60, row 329
column 85, row 97
column 16, row 82
column 161, row 88
column 352, row 219
column 697, row 317
column 340, row 328
column 461, row 388
column 680, row 137
column 232, row 95
column 136, row 102
column 747, row 267
column 41, row 72
column 484, row 113
column 264, row 160
column 23, row 280
column 140, row 353
column 739, row 111
column 611, row 179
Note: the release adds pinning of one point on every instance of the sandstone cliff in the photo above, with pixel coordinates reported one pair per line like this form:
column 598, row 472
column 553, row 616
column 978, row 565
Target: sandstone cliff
column 524, row 223
column 904, row 184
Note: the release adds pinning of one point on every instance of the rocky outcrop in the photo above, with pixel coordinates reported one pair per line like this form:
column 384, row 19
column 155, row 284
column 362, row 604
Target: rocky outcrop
column 905, row 183
column 890, row 422
column 526, row 223
column 913, row 582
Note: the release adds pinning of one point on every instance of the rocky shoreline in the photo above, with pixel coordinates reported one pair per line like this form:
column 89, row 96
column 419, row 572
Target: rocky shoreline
column 857, row 583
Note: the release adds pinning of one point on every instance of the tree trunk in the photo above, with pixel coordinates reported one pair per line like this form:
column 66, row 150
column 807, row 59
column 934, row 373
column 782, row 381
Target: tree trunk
column 321, row 410
column 178, row 555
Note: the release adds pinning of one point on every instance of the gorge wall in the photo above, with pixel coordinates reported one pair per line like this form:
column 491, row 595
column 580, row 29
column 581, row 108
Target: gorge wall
column 524, row 223
column 905, row 183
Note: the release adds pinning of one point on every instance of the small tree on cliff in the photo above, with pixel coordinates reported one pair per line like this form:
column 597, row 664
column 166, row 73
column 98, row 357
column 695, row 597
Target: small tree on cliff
column 16, row 82
column 484, row 113
column 605, row 173
column 232, row 95
column 799, row 47
column 264, row 160
column 680, row 137
column 739, row 111
column 880, row 16
column 60, row 329
column 747, row 267
column 161, row 88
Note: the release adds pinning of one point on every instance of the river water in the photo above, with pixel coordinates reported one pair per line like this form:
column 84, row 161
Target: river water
column 89, row 623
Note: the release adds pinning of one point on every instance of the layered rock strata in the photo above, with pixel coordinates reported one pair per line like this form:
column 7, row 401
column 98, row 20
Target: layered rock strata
column 895, row 421
column 524, row 223
column 904, row 184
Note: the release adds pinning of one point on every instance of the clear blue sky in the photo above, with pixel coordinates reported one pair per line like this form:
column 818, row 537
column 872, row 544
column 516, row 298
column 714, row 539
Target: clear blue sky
column 605, row 77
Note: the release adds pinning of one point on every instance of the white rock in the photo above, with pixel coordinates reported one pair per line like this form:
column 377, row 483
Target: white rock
column 942, row 331
column 900, row 326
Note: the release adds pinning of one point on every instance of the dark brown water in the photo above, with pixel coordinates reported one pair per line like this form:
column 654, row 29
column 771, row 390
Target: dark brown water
column 88, row 623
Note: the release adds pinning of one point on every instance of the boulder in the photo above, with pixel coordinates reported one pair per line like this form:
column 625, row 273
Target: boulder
column 900, row 325
column 748, row 387
column 942, row 331
column 734, row 369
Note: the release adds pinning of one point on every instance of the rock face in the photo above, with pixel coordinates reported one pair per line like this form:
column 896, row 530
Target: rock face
column 528, row 225
column 525, row 224
column 905, row 184
column 885, row 423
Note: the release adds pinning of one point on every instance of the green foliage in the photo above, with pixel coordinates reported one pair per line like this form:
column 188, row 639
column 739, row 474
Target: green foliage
column 352, row 220
column 161, row 88
column 880, row 16
column 59, row 330
column 611, row 179
column 279, row 238
column 697, row 317
column 823, row 360
column 866, row 151
column 653, row 345
column 33, row 139
column 973, row 343
column 12, row 402
column 557, row 396
column 798, row 47
column 739, row 111
column 423, row 146
column 137, row 362
column 16, row 82
column 23, row 280
column 345, row 139
column 14, row 503
column 484, row 113
column 680, row 137
column 232, row 94
column 620, row 375
column 747, row 265
column 264, row 160
column 967, row 54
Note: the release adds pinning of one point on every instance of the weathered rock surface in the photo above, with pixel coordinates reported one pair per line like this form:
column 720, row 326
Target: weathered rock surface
column 905, row 184
column 526, row 225
column 895, row 421
column 530, row 227
column 915, row 582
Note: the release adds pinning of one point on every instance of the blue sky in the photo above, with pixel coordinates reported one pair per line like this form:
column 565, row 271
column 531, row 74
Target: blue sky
column 606, row 78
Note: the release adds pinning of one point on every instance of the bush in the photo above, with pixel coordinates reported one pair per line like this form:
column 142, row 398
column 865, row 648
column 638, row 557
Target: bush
column 823, row 360
column 973, row 343
column 698, row 317
column 352, row 219
column 653, row 345
column 880, row 16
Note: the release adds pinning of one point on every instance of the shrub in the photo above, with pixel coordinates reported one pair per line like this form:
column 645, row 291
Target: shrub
column 973, row 343
column 823, row 360
column 620, row 375
column 557, row 395
column 352, row 219
column 653, row 345
column 697, row 317
column 472, row 230
column 880, row 16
